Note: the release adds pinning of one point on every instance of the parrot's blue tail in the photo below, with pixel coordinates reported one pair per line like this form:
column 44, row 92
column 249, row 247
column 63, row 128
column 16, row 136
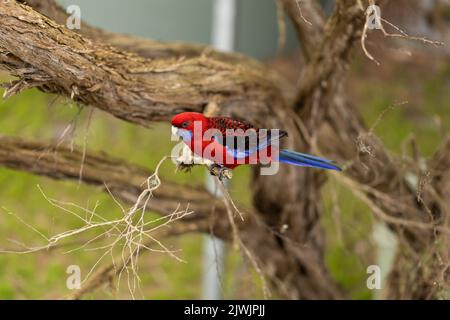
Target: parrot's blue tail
column 306, row 160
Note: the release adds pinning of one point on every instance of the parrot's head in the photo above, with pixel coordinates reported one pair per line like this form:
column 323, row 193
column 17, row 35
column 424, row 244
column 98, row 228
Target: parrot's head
column 184, row 124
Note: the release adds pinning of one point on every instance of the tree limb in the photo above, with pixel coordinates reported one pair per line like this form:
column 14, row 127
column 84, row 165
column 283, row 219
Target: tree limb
column 122, row 179
column 144, row 47
column 309, row 21
column 132, row 88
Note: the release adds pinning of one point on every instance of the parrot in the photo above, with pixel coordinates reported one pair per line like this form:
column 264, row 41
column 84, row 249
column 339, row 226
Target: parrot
column 224, row 143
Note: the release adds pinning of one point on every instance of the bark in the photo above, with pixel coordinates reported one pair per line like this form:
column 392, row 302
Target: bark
column 130, row 87
column 122, row 179
column 144, row 47
column 153, row 49
column 309, row 20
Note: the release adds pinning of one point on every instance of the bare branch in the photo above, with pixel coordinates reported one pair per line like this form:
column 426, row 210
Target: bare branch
column 309, row 21
column 107, row 273
column 144, row 47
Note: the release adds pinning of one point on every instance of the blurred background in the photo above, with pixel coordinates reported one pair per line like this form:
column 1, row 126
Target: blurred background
column 408, row 95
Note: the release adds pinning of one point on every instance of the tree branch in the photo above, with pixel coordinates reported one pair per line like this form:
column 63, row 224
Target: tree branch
column 132, row 88
column 144, row 47
column 309, row 21
column 122, row 179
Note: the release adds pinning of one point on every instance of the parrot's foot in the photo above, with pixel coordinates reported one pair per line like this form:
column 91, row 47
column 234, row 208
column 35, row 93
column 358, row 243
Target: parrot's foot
column 185, row 167
column 220, row 172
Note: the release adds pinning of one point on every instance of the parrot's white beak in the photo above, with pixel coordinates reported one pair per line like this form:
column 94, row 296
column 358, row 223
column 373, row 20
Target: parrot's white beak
column 175, row 134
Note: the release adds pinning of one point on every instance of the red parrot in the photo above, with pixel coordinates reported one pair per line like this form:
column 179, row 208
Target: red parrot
column 227, row 143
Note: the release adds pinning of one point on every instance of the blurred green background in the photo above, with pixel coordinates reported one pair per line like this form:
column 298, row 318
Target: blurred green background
column 348, row 222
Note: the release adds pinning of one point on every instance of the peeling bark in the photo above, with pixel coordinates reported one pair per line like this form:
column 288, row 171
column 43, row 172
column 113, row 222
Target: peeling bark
column 158, row 80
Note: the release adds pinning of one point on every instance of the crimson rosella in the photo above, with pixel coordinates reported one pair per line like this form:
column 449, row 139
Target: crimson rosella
column 225, row 143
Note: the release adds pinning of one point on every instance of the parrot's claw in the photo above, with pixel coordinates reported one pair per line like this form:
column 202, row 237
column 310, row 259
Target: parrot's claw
column 184, row 167
column 220, row 172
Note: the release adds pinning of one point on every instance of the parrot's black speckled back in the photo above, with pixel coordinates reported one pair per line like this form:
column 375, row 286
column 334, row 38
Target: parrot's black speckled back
column 224, row 123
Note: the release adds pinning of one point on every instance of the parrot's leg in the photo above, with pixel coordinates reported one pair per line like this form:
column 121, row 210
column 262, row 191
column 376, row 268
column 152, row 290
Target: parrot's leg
column 220, row 172
column 186, row 160
column 185, row 167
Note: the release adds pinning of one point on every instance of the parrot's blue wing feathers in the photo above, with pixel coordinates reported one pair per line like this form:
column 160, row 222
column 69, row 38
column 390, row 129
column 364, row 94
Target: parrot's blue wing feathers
column 243, row 146
column 306, row 160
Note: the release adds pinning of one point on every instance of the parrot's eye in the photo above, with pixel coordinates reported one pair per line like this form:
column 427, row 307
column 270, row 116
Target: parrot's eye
column 185, row 124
